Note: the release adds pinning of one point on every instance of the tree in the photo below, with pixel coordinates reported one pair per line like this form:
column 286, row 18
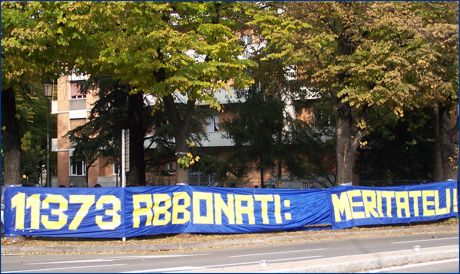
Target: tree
column 100, row 137
column 33, row 114
column 399, row 151
column 313, row 142
column 30, row 55
column 438, row 77
column 350, row 51
column 257, row 131
column 160, row 49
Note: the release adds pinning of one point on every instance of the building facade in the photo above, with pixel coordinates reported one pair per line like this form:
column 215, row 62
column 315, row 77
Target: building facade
column 72, row 107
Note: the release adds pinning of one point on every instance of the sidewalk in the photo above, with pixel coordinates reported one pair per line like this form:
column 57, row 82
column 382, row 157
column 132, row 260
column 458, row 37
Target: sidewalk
column 190, row 242
column 353, row 263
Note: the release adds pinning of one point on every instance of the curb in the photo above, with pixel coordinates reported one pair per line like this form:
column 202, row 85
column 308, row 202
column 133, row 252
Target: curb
column 25, row 246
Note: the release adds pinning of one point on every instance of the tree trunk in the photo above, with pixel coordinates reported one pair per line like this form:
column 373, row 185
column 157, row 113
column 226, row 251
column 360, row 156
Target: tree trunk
column 181, row 131
column 347, row 144
column 262, row 182
column 181, row 150
column 437, row 163
column 11, row 140
column 280, row 173
column 136, row 174
column 445, row 137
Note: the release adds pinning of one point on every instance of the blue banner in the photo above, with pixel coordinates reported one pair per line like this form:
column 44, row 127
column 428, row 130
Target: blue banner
column 138, row 211
column 359, row 206
column 64, row 212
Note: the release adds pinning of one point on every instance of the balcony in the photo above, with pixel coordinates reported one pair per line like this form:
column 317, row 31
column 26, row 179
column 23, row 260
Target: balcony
column 78, row 114
column 217, row 139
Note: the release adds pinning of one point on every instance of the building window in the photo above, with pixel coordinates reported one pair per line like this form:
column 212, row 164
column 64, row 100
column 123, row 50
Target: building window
column 77, row 168
column 75, row 90
column 212, row 124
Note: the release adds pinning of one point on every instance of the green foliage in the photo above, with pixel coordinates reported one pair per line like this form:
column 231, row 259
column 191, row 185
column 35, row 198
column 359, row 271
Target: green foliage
column 257, row 130
column 401, row 152
column 159, row 48
column 352, row 50
column 32, row 113
column 100, row 136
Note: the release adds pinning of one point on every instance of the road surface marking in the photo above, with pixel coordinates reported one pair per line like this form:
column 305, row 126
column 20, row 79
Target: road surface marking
column 76, row 261
column 157, row 256
column 411, row 265
column 186, row 268
column 268, row 253
column 61, row 268
column 111, row 259
column 168, row 269
column 427, row 240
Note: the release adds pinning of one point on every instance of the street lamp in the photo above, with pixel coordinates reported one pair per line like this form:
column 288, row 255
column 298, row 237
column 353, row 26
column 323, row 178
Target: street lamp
column 48, row 92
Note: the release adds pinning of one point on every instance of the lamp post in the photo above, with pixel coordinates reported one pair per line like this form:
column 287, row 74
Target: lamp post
column 48, row 92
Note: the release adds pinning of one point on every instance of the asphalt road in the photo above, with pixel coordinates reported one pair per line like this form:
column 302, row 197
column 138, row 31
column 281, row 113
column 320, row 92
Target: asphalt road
column 218, row 258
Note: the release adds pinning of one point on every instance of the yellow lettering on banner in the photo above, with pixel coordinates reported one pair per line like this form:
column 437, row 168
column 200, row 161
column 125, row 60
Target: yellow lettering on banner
column 159, row 210
column 18, row 202
column 341, row 205
column 448, row 200
column 277, row 212
column 144, row 211
column 59, row 212
column 264, row 199
column 208, row 218
column 437, row 204
column 454, row 199
column 415, row 195
column 353, row 204
column 33, row 202
column 388, row 195
column 241, row 210
column 227, row 208
column 177, row 208
column 86, row 202
column 402, row 203
column 379, row 203
column 425, row 194
column 370, row 203
column 113, row 212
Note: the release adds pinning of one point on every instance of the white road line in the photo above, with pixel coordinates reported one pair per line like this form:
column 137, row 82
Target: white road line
column 60, row 268
column 186, row 268
column 411, row 265
column 294, row 258
column 157, row 256
column 280, row 252
column 111, row 259
column 427, row 240
column 76, row 261
column 168, row 269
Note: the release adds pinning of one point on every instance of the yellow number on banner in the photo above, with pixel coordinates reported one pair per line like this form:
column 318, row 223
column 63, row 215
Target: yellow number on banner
column 18, row 202
column 86, row 202
column 116, row 206
column 59, row 212
column 33, row 202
